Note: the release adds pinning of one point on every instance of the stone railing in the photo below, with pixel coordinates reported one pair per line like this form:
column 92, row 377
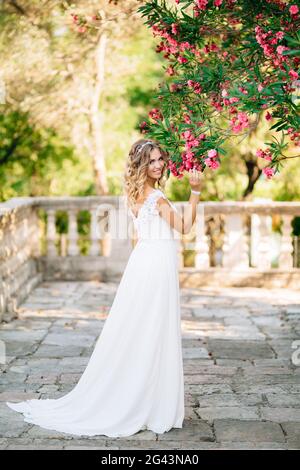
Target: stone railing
column 250, row 251
column 85, row 238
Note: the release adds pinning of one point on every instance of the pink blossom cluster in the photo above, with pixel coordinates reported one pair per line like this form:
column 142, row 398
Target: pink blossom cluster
column 216, row 104
column 294, row 10
column 239, row 122
column 170, row 71
column 268, row 116
column 79, row 22
column 268, row 41
column 268, row 172
column 169, row 45
column 211, row 47
column 229, row 101
column 188, row 162
column 155, row 114
column 143, row 126
column 265, row 154
column 174, row 87
column 172, row 166
column 201, row 5
column 211, row 161
column 195, row 85
column 294, row 136
column 187, row 118
column 190, row 140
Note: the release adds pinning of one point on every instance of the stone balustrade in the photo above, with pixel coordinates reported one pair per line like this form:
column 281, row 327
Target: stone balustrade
column 231, row 243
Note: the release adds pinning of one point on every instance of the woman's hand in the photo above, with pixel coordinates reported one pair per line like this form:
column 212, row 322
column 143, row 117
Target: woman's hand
column 194, row 179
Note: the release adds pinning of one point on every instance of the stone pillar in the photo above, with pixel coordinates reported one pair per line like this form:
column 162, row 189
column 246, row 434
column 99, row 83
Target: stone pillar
column 286, row 247
column 121, row 245
column 261, row 230
column 95, row 245
column 51, row 233
column 73, row 249
column 235, row 250
column 201, row 244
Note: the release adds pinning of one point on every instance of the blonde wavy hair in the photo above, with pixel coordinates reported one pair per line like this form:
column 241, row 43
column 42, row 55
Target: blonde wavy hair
column 136, row 168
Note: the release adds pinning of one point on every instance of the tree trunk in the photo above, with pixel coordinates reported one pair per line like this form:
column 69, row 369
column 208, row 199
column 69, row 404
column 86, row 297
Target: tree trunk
column 253, row 173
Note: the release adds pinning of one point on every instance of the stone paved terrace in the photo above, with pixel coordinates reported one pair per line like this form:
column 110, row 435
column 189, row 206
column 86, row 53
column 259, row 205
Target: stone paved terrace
column 242, row 385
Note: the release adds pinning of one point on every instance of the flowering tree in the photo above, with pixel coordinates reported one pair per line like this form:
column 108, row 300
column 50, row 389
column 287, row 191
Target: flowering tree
column 230, row 64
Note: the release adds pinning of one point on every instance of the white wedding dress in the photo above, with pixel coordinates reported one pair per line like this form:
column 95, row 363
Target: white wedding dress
column 134, row 378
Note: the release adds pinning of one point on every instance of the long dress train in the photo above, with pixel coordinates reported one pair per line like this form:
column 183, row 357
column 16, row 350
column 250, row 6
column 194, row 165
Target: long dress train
column 134, row 378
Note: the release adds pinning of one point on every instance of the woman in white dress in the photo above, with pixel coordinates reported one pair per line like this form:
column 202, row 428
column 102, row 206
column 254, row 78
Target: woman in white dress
column 134, row 378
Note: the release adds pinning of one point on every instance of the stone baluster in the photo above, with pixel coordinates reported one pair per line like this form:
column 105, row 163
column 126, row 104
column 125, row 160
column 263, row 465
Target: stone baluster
column 261, row 229
column 286, row 246
column 51, row 233
column 121, row 244
column 73, row 249
column 94, row 236
column 235, row 250
column 103, row 227
column 63, row 244
column 201, row 243
column 35, row 234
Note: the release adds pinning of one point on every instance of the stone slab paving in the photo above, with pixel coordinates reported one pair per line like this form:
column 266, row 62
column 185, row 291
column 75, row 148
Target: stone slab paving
column 242, row 385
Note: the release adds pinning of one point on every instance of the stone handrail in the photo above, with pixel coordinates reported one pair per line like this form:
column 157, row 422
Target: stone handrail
column 29, row 254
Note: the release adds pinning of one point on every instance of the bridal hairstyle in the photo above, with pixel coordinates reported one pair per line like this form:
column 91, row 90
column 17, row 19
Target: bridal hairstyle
column 136, row 168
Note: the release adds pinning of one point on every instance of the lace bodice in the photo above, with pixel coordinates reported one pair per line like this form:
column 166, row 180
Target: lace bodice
column 148, row 222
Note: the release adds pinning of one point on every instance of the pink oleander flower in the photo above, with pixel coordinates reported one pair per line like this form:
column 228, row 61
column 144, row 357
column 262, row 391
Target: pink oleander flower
column 170, row 71
column 281, row 49
column 173, row 87
column 189, row 155
column 212, row 153
column 155, row 114
column 268, row 116
column 182, row 60
column 268, row 172
column 293, row 74
column 174, row 28
column 265, row 154
column 187, row 135
column 187, row 119
column 74, row 18
column 213, row 164
column 184, row 45
column 279, row 35
column 202, row 4
column 240, row 122
column 293, row 9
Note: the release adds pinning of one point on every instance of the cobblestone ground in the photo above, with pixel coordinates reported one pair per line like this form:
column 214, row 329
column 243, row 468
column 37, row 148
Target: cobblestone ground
column 242, row 384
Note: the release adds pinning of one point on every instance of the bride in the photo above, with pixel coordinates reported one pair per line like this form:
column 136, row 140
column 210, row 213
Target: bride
column 134, row 378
